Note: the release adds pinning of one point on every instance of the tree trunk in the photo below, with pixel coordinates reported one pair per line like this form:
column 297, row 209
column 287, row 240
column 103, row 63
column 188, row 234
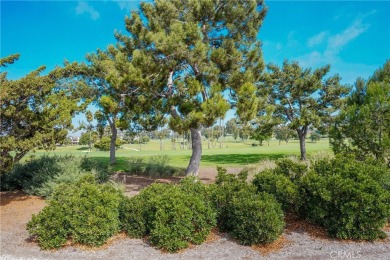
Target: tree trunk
column 302, row 143
column 112, row 144
column 196, row 138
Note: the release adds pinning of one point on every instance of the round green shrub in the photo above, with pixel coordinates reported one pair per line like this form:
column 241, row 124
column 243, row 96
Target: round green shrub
column 84, row 211
column 250, row 217
column 181, row 218
column 172, row 215
column 346, row 198
column 284, row 190
column 257, row 218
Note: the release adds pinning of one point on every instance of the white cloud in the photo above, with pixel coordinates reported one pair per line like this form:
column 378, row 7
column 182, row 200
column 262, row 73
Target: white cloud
column 317, row 39
column 338, row 41
column 84, row 7
column 128, row 5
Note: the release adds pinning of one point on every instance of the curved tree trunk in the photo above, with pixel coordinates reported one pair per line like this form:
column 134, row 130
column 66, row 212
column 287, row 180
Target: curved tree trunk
column 112, row 144
column 196, row 138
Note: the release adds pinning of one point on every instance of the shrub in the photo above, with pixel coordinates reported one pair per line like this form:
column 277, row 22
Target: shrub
column 347, row 197
column 226, row 187
column 250, row 217
column 284, row 190
column 84, row 211
column 41, row 176
column 172, row 215
column 257, row 218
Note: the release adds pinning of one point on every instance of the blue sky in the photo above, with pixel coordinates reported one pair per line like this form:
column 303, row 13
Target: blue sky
column 352, row 36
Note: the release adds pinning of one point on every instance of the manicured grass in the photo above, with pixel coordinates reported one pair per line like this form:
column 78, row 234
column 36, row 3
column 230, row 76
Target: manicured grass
column 230, row 155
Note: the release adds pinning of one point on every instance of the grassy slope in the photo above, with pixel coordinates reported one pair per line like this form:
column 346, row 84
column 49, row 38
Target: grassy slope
column 232, row 154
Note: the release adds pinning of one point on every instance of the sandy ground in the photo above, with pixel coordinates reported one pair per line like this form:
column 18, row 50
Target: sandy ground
column 299, row 241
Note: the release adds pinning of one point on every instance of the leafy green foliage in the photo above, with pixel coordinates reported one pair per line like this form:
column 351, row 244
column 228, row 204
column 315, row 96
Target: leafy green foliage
column 88, row 138
column 250, row 217
column 302, row 97
column 281, row 186
column 41, row 176
column 35, row 112
column 257, row 218
column 362, row 127
column 85, row 212
column 104, row 144
column 172, row 215
column 283, row 133
column 190, row 60
column 349, row 198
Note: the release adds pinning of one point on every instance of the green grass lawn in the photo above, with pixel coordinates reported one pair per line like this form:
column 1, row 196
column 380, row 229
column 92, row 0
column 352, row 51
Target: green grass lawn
column 232, row 154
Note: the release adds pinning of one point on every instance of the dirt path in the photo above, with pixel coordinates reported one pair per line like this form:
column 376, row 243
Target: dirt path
column 299, row 241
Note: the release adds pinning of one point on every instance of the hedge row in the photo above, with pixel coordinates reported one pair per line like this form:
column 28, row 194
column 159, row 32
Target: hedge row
column 350, row 198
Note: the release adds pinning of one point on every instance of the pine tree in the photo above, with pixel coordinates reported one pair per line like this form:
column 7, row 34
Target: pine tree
column 115, row 87
column 363, row 125
column 194, row 53
column 36, row 111
column 302, row 97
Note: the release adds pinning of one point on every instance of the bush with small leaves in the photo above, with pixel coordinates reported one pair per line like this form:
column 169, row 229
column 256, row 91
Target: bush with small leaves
column 84, row 211
column 172, row 215
column 347, row 197
column 226, row 187
column 257, row 218
column 250, row 217
column 284, row 190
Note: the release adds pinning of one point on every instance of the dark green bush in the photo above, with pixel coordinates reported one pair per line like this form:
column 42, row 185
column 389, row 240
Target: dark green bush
column 84, row 211
column 284, row 190
column 41, row 176
column 347, row 197
column 172, row 215
column 250, row 217
column 226, row 187
column 257, row 218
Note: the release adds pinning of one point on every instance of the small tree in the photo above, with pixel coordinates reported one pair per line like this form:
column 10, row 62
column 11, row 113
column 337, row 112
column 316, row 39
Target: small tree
column 35, row 112
column 314, row 137
column 283, row 133
column 302, row 97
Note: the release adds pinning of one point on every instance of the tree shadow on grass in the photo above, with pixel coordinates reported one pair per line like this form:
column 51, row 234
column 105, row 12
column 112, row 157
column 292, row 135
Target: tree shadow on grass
column 83, row 148
column 239, row 159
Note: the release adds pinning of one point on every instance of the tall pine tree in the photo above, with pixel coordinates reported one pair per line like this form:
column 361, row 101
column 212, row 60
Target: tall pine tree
column 195, row 53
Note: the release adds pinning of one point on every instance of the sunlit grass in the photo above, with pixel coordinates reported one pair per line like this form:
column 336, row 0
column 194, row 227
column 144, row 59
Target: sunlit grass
column 228, row 154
